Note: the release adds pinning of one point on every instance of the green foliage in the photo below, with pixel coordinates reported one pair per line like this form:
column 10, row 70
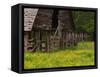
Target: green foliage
column 84, row 21
column 80, row 55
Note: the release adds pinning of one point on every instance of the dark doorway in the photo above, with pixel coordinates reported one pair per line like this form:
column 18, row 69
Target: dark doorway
column 55, row 18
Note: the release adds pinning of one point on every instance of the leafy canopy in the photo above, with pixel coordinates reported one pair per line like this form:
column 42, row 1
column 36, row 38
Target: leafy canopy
column 84, row 21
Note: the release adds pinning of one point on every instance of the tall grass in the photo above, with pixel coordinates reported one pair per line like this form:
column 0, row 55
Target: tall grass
column 80, row 55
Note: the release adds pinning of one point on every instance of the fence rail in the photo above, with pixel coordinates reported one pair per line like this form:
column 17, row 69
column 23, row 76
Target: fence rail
column 44, row 40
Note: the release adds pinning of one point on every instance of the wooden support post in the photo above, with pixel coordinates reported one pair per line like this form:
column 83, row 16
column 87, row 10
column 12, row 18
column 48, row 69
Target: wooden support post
column 40, row 40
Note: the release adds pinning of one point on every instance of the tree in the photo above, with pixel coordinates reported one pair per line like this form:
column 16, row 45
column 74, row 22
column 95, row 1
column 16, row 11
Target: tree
column 84, row 21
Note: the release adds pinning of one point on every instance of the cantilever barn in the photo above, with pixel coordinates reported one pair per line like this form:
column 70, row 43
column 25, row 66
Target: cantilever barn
column 48, row 29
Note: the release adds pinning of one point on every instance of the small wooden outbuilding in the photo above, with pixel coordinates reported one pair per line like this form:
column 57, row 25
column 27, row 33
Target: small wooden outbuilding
column 48, row 29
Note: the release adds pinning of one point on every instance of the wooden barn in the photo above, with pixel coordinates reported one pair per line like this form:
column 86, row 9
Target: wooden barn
column 49, row 29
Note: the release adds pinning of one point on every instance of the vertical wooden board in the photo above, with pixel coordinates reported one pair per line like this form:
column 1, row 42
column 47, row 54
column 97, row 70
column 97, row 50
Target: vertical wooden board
column 65, row 19
column 25, row 41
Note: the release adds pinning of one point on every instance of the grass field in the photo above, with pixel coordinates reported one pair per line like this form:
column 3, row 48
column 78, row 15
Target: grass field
column 80, row 55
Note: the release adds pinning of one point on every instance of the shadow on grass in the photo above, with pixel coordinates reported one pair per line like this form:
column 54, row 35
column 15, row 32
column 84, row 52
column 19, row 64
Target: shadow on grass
column 57, row 50
column 79, row 46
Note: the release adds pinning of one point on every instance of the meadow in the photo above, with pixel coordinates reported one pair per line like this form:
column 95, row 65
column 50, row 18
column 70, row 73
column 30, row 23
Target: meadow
column 80, row 55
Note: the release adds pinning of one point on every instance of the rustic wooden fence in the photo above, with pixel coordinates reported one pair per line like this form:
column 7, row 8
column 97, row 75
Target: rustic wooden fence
column 44, row 40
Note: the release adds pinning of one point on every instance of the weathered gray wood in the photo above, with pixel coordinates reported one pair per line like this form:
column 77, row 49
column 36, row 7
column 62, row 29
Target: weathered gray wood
column 43, row 40
column 29, row 18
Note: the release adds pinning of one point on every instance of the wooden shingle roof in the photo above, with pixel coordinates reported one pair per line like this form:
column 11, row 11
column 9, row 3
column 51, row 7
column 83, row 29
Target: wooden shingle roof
column 29, row 17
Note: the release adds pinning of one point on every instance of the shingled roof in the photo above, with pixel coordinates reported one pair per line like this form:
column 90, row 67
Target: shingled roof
column 29, row 17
